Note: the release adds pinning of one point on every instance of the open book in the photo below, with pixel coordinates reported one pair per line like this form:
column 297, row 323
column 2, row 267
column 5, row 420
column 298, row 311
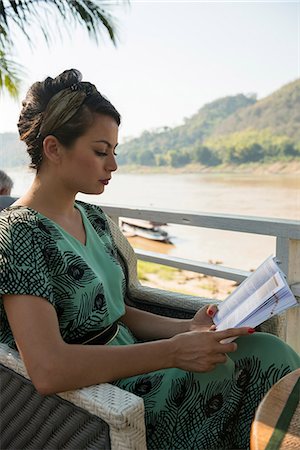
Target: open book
column 262, row 295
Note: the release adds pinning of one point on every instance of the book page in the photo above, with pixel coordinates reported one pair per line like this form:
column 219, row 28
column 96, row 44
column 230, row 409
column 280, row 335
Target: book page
column 246, row 309
column 262, row 295
column 266, row 270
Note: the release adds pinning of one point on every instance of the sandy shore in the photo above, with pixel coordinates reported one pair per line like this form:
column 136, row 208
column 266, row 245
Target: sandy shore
column 192, row 283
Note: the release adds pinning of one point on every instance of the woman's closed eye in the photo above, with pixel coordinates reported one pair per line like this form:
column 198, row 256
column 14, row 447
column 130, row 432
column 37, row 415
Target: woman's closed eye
column 102, row 154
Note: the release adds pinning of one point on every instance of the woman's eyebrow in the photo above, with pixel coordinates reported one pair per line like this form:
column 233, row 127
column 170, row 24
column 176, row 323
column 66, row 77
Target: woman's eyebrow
column 105, row 142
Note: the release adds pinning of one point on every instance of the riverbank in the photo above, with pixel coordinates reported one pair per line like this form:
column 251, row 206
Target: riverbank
column 183, row 281
column 273, row 168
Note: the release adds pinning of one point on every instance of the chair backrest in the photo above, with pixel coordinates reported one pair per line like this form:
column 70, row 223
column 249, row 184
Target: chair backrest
column 6, row 200
column 127, row 256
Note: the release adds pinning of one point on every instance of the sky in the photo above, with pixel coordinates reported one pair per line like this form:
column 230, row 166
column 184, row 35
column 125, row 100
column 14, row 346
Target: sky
column 172, row 58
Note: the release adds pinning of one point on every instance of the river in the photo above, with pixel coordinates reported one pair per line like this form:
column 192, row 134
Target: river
column 276, row 196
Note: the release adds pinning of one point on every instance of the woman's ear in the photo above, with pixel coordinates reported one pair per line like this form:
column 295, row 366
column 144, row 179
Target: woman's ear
column 52, row 149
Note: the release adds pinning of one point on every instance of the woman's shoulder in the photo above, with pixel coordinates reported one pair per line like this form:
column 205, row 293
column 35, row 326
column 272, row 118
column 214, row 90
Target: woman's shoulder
column 23, row 224
column 18, row 215
column 18, row 226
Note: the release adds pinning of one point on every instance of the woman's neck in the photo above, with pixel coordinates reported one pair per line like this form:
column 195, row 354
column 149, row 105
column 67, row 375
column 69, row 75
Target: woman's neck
column 50, row 199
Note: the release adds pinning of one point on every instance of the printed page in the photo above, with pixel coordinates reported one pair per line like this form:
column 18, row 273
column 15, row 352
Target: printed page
column 249, row 286
column 261, row 296
column 254, row 302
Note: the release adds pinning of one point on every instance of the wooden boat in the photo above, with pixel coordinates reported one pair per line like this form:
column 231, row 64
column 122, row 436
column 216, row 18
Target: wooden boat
column 144, row 228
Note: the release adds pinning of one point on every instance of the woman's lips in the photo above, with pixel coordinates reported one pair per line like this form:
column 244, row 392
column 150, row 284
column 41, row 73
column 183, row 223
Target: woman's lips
column 105, row 182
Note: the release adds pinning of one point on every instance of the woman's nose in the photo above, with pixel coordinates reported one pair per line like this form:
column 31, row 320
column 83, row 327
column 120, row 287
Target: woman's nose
column 112, row 163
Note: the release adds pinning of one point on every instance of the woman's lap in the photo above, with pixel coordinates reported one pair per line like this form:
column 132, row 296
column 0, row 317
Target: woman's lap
column 185, row 410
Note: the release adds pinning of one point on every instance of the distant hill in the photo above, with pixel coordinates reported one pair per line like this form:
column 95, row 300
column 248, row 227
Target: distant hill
column 234, row 129
column 279, row 112
column 195, row 129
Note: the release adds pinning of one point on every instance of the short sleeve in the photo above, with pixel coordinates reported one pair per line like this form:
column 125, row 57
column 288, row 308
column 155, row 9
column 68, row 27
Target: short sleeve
column 23, row 266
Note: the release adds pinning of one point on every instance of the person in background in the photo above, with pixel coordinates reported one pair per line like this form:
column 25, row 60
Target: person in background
column 6, row 185
column 62, row 291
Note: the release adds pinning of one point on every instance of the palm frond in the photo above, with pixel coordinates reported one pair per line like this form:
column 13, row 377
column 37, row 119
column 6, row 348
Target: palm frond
column 9, row 75
column 93, row 15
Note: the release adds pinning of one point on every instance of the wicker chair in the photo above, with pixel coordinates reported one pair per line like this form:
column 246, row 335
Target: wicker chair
column 98, row 417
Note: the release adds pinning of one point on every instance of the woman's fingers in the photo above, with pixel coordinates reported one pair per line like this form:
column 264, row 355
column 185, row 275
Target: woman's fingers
column 211, row 310
column 232, row 332
column 227, row 348
column 220, row 358
column 202, row 351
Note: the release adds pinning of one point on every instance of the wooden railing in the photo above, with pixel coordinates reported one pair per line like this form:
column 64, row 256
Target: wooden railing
column 286, row 232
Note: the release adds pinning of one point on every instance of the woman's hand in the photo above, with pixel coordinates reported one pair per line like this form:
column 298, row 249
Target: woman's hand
column 202, row 320
column 201, row 351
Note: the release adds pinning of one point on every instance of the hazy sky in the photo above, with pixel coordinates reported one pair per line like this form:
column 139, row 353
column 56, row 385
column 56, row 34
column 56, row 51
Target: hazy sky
column 172, row 58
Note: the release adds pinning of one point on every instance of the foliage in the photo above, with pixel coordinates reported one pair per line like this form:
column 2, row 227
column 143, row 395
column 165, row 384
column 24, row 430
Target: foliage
column 199, row 140
column 9, row 78
column 252, row 145
column 232, row 130
column 181, row 139
column 146, row 158
column 178, row 158
column 278, row 112
column 93, row 15
column 205, row 156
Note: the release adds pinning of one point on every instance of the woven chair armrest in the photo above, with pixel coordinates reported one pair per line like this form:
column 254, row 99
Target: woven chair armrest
column 121, row 410
column 147, row 296
column 275, row 325
column 116, row 406
column 181, row 305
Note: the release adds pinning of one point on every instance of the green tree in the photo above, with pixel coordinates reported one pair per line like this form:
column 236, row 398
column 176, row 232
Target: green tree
column 161, row 160
column 289, row 149
column 93, row 15
column 206, row 156
column 178, row 158
column 146, row 158
column 251, row 153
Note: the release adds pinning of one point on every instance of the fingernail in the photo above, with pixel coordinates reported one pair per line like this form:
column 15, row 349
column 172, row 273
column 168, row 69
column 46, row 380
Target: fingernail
column 210, row 312
column 251, row 330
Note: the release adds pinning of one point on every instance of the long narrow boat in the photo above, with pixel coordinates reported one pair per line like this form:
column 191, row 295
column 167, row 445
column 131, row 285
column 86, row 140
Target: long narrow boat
column 144, row 229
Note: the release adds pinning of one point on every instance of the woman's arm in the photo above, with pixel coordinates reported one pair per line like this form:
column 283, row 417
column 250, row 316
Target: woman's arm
column 147, row 326
column 55, row 366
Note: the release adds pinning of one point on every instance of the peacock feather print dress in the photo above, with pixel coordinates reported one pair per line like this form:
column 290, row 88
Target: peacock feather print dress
column 86, row 285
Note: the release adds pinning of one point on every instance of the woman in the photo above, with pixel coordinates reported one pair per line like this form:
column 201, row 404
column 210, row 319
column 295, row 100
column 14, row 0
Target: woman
column 62, row 290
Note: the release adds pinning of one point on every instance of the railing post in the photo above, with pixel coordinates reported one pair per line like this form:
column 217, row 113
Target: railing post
column 288, row 254
column 282, row 254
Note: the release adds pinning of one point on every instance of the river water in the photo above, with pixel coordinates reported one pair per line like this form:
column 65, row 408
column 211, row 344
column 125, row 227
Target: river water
column 276, row 196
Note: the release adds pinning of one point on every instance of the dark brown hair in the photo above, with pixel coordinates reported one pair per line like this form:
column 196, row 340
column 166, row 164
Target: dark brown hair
column 36, row 101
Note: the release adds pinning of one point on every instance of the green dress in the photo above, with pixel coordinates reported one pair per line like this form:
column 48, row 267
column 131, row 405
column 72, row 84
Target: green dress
column 86, row 286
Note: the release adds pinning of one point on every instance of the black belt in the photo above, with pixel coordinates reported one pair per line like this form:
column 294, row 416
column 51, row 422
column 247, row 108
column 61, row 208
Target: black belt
column 97, row 337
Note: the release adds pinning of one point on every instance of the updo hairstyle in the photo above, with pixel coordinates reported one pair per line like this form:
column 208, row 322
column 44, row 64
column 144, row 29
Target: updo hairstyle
column 35, row 104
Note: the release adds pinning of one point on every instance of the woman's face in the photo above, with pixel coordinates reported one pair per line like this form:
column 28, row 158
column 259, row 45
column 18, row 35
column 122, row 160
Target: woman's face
column 89, row 163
